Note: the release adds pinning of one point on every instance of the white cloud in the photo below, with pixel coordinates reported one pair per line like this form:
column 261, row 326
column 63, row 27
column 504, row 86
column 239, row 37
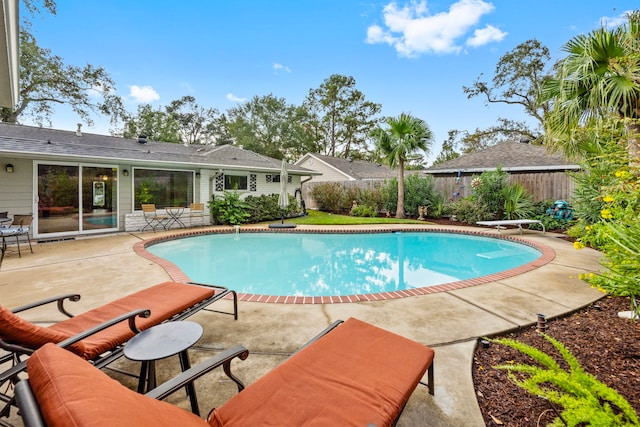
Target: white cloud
column 615, row 21
column 231, row 97
column 144, row 94
column 412, row 30
column 279, row 67
column 485, row 35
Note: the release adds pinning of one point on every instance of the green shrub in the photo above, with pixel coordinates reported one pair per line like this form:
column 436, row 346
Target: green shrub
column 488, row 189
column 437, row 208
column 374, row 197
column 518, row 203
column 265, row 208
column 391, row 196
column 363, row 211
column 229, row 209
column 584, row 400
column 470, row 211
column 418, row 191
column 334, row 197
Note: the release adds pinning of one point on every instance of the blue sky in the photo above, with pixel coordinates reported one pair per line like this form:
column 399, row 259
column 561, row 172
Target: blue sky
column 408, row 56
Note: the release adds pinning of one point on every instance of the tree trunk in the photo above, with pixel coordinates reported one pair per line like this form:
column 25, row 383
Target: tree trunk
column 400, row 207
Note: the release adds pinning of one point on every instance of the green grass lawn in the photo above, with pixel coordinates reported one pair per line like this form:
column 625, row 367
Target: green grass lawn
column 324, row 218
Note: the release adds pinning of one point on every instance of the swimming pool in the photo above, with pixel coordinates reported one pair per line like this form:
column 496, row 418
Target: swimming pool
column 334, row 264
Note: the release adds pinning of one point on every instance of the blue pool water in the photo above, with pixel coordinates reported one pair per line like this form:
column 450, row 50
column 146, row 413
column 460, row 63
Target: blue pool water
column 107, row 221
column 308, row 264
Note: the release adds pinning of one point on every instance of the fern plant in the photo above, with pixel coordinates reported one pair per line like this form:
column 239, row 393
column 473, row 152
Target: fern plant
column 584, row 399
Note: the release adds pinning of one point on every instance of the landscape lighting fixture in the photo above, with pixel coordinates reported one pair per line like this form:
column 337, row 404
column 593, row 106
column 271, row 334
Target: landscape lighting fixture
column 542, row 323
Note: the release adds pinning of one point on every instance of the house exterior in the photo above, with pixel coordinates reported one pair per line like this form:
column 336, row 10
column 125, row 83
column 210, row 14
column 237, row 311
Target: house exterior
column 543, row 175
column 78, row 183
column 337, row 169
column 348, row 172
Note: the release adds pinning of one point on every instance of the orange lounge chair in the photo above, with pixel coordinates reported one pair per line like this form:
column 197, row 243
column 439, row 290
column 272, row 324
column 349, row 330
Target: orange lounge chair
column 354, row 374
column 99, row 335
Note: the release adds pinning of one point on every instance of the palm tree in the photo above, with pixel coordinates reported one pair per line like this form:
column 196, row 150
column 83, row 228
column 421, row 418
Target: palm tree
column 597, row 80
column 405, row 135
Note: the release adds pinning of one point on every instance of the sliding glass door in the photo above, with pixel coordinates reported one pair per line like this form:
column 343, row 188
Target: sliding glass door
column 76, row 198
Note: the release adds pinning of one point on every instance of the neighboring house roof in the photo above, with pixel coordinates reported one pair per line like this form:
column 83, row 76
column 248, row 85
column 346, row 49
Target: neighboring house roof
column 511, row 156
column 29, row 141
column 353, row 170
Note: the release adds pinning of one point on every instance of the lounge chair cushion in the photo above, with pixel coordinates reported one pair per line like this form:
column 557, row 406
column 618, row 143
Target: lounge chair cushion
column 16, row 330
column 164, row 300
column 65, row 386
column 357, row 374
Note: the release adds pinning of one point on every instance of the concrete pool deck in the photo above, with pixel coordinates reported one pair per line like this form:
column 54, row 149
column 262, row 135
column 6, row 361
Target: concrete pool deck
column 104, row 268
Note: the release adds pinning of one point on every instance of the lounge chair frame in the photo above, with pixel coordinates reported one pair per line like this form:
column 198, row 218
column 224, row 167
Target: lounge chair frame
column 518, row 222
column 15, row 351
column 30, row 411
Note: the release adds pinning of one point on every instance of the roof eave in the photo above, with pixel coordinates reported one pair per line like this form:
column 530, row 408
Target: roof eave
column 505, row 168
column 140, row 162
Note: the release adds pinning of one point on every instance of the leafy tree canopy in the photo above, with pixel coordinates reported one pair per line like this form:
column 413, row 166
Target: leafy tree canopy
column 397, row 142
column 46, row 82
column 340, row 118
column 518, row 78
column 269, row 125
column 597, row 80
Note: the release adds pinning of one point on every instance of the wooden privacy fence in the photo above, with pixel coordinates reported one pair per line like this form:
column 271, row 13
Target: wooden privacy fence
column 540, row 185
column 554, row 185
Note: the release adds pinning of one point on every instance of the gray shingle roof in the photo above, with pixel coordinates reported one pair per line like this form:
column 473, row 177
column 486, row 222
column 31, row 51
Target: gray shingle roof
column 358, row 169
column 512, row 156
column 29, row 141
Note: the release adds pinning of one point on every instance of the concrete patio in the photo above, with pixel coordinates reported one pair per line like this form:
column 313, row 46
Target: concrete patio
column 104, row 268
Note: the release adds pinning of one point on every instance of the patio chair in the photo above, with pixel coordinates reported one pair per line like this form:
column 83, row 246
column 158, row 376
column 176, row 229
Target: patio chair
column 4, row 233
column 99, row 335
column 151, row 217
column 353, row 373
column 22, row 225
column 196, row 210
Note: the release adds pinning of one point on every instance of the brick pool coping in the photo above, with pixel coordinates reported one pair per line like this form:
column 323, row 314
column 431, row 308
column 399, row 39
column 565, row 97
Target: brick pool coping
column 176, row 274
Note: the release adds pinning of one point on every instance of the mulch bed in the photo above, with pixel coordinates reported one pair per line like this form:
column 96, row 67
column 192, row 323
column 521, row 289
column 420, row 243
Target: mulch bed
column 606, row 345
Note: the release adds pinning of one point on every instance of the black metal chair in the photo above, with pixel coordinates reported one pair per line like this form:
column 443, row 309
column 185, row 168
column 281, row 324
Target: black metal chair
column 151, row 217
column 22, row 225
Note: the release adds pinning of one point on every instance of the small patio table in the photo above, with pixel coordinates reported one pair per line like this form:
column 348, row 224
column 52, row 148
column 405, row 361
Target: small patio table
column 175, row 212
column 160, row 342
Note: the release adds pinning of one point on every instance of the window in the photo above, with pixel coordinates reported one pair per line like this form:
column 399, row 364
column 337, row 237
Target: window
column 162, row 187
column 235, row 182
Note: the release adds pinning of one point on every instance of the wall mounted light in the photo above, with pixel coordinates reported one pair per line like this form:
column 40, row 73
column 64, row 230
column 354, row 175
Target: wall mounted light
column 197, row 174
column 125, row 172
column 9, row 168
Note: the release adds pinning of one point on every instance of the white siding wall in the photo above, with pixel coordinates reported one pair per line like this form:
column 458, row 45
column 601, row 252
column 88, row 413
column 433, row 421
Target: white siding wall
column 328, row 173
column 262, row 186
column 16, row 189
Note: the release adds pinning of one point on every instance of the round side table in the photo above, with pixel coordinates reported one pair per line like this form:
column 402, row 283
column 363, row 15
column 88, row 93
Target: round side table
column 159, row 342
